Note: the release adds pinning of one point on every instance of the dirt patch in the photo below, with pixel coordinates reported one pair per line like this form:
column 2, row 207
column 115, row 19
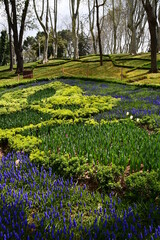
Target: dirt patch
column 4, row 147
column 127, row 171
column 1, row 154
column 92, row 185
column 147, row 129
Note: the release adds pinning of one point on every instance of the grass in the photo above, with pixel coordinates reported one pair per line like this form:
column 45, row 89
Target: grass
column 88, row 67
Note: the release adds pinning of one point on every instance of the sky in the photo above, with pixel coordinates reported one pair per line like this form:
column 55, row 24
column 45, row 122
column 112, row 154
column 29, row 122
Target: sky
column 64, row 19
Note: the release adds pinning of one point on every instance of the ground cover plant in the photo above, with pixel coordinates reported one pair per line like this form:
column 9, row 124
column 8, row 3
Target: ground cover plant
column 135, row 101
column 35, row 204
column 95, row 136
column 45, row 118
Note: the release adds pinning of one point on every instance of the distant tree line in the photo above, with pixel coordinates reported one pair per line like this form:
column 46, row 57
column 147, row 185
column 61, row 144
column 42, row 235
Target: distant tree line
column 111, row 26
column 34, row 46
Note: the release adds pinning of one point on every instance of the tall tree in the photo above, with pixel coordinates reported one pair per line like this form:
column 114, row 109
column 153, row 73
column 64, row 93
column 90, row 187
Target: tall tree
column 44, row 25
column 17, row 33
column 151, row 10
column 74, row 10
column 116, row 14
column 54, row 29
column 136, row 23
column 97, row 6
column 4, row 48
column 10, row 44
column 91, row 10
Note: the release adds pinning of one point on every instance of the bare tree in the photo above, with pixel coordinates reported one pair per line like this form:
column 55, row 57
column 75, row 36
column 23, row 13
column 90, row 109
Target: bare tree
column 10, row 43
column 54, row 29
column 97, row 6
column 116, row 13
column 151, row 10
column 17, row 33
column 136, row 23
column 116, row 19
column 44, row 25
column 74, row 10
column 91, row 10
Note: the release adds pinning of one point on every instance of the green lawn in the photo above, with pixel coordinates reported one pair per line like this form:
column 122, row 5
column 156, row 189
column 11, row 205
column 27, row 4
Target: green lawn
column 89, row 67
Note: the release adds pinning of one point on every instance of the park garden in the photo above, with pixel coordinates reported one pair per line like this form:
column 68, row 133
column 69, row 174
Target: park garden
column 80, row 150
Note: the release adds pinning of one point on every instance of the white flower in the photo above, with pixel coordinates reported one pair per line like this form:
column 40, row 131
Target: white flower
column 138, row 119
column 127, row 113
column 131, row 117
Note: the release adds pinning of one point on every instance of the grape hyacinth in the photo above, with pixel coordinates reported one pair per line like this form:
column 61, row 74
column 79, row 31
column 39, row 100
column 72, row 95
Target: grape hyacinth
column 35, row 204
column 138, row 101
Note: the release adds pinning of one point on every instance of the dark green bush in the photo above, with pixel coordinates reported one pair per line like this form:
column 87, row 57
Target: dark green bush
column 67, row 166
column 107, row 176
column 143, row 186
column 150, row 122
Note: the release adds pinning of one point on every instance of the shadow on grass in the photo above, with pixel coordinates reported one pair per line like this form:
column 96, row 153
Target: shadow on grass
column 7, row 74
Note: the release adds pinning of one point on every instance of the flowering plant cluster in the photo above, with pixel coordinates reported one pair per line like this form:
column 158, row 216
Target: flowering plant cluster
column 138, row 101
column 37, row 205
column 131, row 116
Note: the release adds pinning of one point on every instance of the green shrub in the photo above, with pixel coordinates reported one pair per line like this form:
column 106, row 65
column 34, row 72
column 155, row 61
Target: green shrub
column 143, row 186
column 149, row 122
column 39, row 157
column 67, row 166
column 107, row 176
column 26, row 144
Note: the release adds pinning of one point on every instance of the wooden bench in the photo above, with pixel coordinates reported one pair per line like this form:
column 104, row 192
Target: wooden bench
column 28, row 74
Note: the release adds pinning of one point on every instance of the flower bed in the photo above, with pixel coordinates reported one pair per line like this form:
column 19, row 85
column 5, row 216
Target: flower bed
column 89, row 132
column 35, row 204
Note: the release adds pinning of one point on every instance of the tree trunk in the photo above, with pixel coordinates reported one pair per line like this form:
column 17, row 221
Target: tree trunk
column 158, row 31
column 45, row 55
column 53, row 49
column 54, row 30
column 19, row 57
column 17, row 35
column 91, row 25
column 158, row 39
column 44, row 26
column 56, row 47
column 76, row 47
column 55, row 27
column 114, row 29
column 115, row 40
column 74, row 9
column 153, row 33
column 18, row 51
column 133, row 47
column 99, row 33
column 10, row 47
column 152, row 21
column 94, row 43
column 75, row 39
column 10, row 44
